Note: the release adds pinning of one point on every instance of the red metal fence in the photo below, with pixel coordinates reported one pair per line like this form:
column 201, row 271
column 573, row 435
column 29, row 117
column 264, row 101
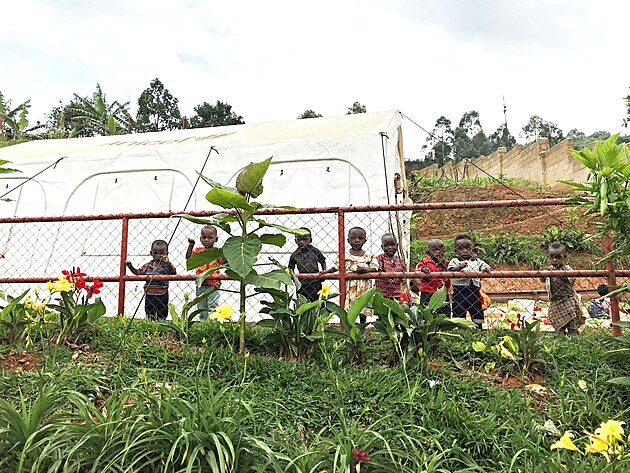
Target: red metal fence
column 36, row 249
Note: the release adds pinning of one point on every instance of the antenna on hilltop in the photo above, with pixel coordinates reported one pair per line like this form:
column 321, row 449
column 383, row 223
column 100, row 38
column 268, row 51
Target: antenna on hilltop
column 504, row 113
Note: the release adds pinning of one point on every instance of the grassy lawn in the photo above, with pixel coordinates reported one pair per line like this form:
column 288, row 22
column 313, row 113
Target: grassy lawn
column 159, row 404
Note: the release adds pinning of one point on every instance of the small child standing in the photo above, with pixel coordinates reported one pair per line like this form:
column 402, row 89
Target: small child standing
column 208, row 238
column 155, row 292
column 307, row 259
column 565, row 313
column 434, row 262
column 390, row 262
column 466, row 291
column 357, row 261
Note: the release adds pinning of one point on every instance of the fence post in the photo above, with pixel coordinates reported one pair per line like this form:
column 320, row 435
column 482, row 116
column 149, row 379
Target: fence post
column 612, row 283
column 123, row 265
column 341, row 231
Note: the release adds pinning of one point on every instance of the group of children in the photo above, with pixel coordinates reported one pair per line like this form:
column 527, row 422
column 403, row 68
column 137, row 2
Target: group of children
column 565, row 313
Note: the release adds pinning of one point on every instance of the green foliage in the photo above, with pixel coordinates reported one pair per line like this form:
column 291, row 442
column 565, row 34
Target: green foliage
column 220, row 114
column 309, row 114
column 14, row 120
column 92, row 116
column 607, row 190
column 502, row 138
column 623, row 351
column 537, row 127
column 415, row 331
column 510, row 249
column 15, row 320
column 574, row 240
column 356, row 108
column 182, row 321
column 296, row 325
column 157, row 109
column 241, row 250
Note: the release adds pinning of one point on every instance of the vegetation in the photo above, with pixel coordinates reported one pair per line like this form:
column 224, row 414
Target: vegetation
column 195, row 405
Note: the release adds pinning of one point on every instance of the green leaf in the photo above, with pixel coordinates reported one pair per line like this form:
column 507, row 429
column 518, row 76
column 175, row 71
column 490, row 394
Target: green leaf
column 308, row 306
column 241, row 253
column 358, row 305
column 205, row 221
column 273, row 239
column 438, row 299
column 294, row 231
column 249, row 181
column 228, row 200
column 213, row 184
column 204, row 257
column 622, row 381
column 271, row 280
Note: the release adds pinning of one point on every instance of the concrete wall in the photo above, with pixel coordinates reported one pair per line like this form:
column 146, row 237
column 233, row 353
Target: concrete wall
column 536, row 163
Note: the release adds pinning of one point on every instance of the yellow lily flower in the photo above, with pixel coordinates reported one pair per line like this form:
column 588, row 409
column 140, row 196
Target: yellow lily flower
column 222, row 313
column 565, row 442
column 610, row 430
column 323, row 293
column 478, row 346
column 598, row 445
column 60, row 285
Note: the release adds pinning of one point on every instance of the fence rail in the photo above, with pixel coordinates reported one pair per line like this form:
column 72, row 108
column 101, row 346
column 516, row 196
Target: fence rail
column 36, row 249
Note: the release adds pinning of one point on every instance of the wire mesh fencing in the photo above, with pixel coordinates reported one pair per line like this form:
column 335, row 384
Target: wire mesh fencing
column 34, row 250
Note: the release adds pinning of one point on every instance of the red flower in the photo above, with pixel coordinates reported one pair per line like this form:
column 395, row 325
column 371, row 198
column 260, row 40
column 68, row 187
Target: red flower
column 360, row 456
column 95, row 288
column 76, row 277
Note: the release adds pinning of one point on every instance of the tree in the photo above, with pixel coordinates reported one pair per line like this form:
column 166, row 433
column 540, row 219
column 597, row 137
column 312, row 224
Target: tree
column 469, row 140
column 537, row 127
column 580, row 140
column 439, row 142
column 220, row 114
column 309, row 114
column 501, row 138
column 85, row 116
column 356, row 108
column 157, row 109
column 14, row 121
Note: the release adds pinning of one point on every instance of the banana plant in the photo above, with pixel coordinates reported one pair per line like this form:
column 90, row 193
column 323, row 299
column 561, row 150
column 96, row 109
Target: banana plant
column 241, row 249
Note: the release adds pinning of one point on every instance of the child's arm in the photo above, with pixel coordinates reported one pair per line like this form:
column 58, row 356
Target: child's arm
column 485, row 267
column 132, row 269
column 191, row 244
column 292, row 263
column 321, row 260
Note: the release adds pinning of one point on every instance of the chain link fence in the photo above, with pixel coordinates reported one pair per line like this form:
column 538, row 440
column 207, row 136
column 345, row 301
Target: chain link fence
column 35, row 250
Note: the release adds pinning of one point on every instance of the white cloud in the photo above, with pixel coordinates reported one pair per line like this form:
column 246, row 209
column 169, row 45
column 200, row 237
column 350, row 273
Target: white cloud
column 560, row 59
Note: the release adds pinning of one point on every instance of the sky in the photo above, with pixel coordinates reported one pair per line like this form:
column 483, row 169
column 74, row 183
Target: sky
column 564, row 60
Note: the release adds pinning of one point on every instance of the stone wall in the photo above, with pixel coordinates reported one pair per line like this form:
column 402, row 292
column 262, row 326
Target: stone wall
column 536, row 163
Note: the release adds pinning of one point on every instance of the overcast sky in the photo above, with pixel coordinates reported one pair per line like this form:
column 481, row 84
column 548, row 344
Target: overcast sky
column 564, row 60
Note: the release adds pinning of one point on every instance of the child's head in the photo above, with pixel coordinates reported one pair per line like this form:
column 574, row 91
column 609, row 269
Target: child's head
column 159, row 250
column 389, row 244
column 357, row 238
column 208, row 236
column 557, row 253
column 603, row 290
column 464, row 247
column 435, row 249
column 303, row 241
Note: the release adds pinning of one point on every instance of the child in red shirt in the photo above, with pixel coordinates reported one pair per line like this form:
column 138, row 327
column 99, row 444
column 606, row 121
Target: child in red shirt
column 434, row 262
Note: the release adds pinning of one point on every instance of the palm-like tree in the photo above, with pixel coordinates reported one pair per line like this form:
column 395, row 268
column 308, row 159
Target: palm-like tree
column 93, row 116
column 14, row 121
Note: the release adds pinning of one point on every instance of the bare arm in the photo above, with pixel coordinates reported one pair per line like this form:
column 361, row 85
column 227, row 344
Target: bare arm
column 191, row 244
column 131, row 268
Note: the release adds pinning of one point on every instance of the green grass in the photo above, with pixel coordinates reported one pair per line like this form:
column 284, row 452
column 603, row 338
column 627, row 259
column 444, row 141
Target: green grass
column 158, row 407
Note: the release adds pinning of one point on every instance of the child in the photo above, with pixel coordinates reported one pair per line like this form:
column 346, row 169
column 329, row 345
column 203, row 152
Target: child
column 466, row 296
column 390, row 262
column 600, row 308
column 156, row 292
column 434, row 261
column 565, row 313
column 358, row 261
column 208, row 238
column 307, row 258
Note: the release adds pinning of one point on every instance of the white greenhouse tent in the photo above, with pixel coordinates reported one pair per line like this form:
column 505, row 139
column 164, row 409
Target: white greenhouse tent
column 350, row 160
